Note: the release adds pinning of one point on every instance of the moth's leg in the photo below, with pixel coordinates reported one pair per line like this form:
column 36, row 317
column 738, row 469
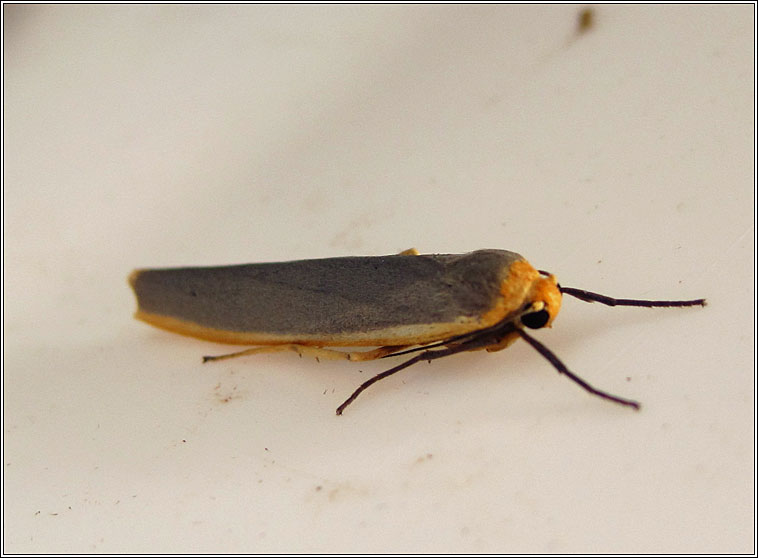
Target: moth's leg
column 487, row 339
column 381, row 352
column 426, row 355
column 315, row 352
column 409, row 252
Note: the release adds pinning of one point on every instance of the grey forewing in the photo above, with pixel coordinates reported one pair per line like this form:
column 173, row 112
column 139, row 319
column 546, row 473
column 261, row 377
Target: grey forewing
column 328, row 296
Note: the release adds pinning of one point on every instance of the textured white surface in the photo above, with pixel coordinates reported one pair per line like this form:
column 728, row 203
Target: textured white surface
column 620, row 159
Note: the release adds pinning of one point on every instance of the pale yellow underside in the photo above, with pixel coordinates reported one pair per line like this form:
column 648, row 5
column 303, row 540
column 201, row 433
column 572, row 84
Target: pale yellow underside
column 399, row 335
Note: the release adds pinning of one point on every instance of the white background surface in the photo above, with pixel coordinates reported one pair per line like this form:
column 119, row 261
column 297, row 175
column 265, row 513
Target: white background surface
column 620, row 159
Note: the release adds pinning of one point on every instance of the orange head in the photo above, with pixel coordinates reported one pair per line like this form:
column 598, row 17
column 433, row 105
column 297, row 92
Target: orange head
column 543, row 302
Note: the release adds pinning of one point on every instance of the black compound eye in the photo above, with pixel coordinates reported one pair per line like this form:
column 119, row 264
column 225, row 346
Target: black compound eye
column 536, row 320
